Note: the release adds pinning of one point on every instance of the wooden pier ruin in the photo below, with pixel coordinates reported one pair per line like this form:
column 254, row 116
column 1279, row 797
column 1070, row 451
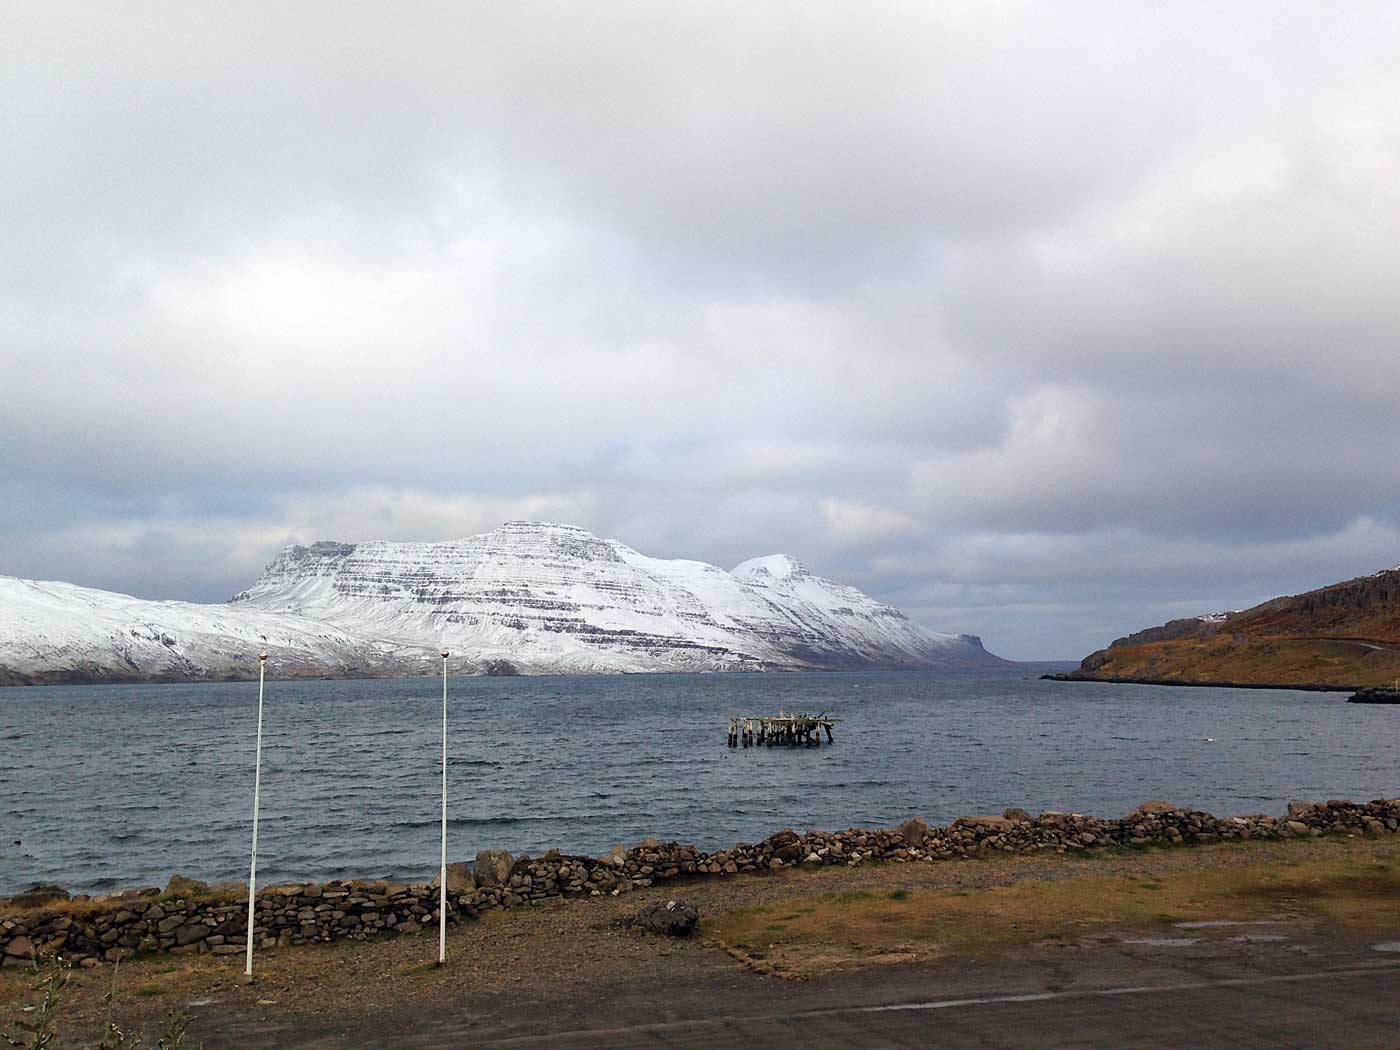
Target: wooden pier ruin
column 780, row 730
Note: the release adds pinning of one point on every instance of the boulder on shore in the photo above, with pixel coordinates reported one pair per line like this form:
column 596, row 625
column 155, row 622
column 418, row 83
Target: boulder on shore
column 786, row 846
column 493, row 867
column 673, row 919
column 20, row 947
column 914, row 831
column 615, row 857
column 459, row 878
column 180, row 886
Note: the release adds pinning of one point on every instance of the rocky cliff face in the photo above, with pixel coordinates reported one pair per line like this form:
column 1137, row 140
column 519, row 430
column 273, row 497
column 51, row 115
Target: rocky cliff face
column 558, row 598
column 1343, row 635
column 526, row 597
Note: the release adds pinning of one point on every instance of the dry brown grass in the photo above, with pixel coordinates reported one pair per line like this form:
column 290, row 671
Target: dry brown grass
column 100, row 905
column 1272, row 660
column 583, row 949
column 807, row 936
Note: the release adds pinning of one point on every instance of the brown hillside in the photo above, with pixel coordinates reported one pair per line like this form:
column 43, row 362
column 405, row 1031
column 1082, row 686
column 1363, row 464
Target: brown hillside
column 1346, row 634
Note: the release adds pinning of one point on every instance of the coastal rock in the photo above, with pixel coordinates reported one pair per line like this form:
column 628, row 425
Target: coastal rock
column 1375, row 695
column 673, row 919
column 116, row 924
column 20, row 947
column 493, row 867
column 985, row 821
column 459, row 878
column 914, row 831
column 1155, row 806
column 785, row 846
column 190, row 933
column 615, row 857
column 180, row 886
column 1017, row 814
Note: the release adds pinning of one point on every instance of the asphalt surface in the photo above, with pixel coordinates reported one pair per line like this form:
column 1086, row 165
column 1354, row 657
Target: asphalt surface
column 1350, row 1008
column 1213, row 994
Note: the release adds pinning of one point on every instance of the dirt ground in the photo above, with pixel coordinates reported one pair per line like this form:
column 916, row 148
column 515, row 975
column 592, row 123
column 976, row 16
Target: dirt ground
column 573, row 973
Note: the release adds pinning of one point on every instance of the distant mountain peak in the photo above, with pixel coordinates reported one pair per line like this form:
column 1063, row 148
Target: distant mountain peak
column 778, row 566
column 539, row 526
column 539, row 596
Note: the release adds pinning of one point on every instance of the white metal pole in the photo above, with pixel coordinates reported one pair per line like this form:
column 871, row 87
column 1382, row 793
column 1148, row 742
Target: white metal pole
column 257, row 793
column 442, row 873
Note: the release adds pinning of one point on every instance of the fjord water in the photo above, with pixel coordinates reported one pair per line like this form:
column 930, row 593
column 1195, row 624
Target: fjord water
column 108, row 786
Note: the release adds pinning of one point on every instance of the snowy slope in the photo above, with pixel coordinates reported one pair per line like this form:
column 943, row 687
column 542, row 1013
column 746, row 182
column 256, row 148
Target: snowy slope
column 527, row 596
column 556, row 597
column 837, row 624
column 55, row 632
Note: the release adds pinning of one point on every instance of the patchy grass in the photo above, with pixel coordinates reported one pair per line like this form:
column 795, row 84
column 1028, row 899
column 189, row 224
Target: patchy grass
column 806, row 937
column 1264, row 659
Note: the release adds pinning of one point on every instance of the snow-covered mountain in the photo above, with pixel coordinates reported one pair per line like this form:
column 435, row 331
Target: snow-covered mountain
column 527, row 597
column 56, row 632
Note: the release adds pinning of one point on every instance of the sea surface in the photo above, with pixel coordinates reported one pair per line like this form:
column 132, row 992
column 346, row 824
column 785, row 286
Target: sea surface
column 114, row 786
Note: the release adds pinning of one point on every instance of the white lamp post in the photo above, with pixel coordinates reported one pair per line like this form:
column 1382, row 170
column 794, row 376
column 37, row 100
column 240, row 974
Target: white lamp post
column 257, row 792
column 442, row 873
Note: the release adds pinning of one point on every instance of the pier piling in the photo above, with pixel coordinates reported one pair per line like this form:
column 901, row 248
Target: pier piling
column 796, row 730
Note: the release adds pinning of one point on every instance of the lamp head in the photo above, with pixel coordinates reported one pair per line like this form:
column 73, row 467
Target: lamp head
column 262, row 656
column 444, row 654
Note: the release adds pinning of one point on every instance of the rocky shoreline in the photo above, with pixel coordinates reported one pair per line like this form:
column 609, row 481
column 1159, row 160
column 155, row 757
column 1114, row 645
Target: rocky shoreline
column 1376, row 695
column 190, row 918
column 1088, row 676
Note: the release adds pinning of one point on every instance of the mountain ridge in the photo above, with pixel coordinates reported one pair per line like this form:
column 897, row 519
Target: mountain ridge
column 528, row 597
column 1340, row 636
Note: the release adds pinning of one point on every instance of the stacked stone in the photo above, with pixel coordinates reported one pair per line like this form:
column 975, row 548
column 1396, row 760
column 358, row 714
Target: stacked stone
column 140, row 921
column 185, row 919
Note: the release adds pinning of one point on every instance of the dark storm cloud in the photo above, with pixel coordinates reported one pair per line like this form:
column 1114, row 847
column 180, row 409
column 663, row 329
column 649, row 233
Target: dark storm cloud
column 1041, row 324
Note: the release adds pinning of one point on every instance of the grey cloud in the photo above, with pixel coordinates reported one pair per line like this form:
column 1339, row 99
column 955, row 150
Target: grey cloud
column 1040, row 324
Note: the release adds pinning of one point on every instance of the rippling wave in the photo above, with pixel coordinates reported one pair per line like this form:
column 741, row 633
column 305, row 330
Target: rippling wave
column 123, row 785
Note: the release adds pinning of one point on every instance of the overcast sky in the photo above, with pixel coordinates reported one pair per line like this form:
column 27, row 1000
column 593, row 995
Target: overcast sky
column 1046, row 322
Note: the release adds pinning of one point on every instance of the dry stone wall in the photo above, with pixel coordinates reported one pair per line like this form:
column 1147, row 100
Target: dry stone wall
column 87, row 932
